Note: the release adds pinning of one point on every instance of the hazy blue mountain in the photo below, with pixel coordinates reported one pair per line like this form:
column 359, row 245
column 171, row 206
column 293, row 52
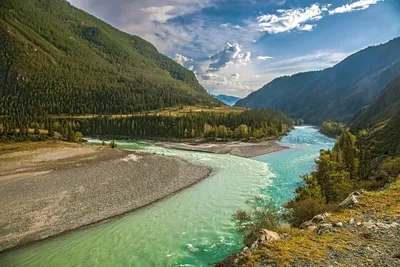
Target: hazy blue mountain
column 335, row 93
column 227, row 99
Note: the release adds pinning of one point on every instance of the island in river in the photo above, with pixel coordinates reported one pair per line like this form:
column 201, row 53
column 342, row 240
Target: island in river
column 48, row 188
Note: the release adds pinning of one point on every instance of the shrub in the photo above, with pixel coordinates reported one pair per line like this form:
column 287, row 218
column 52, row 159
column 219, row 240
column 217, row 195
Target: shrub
column 262, row 214
column 303, row 210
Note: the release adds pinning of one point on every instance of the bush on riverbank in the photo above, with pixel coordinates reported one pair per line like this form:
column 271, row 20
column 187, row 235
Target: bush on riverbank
column 262, row 214
column 346, row 168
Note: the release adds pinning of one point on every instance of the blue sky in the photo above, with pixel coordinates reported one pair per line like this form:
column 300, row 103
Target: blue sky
column 237, row 46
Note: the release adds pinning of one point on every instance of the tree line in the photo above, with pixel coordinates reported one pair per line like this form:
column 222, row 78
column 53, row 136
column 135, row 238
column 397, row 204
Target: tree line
column 248, row 125
column 348, row 167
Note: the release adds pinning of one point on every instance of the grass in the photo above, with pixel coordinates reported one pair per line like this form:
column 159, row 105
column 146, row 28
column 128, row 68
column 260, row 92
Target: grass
column 173, row 111
column 303, row 246
column 384, row 204
column 33, row 145
column 307, row 246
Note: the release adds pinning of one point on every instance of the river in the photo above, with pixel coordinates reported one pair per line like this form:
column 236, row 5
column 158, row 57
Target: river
column 194, row 226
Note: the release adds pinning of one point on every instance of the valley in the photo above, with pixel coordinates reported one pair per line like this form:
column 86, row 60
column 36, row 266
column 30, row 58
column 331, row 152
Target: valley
column 199, row 133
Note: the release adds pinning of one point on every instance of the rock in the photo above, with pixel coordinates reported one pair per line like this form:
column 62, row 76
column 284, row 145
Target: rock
column 351, row 221
column 369, row 225
column 359, row 224
column 338, row 224
column 326, row 225
column 246, row 250
column 382, row 225
column 325, row 228
column 269, row 236
column 320, row 217
column 350, row 201
column 306, row 224
column 312, row 228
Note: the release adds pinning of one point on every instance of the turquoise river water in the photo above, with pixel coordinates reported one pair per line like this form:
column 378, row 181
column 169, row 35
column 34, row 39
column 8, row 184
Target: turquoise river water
column 194, row 226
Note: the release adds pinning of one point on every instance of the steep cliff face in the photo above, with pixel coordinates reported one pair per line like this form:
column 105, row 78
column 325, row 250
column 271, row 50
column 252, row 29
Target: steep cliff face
column 335, row 93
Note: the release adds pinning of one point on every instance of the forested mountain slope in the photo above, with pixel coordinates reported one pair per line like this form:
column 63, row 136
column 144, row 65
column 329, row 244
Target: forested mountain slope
column 335, row 93
column 382, row 117
column 55, row 58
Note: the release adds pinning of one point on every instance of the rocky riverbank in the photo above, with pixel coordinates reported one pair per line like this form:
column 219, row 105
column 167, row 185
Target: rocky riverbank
column 49, row 188
column 365, row 233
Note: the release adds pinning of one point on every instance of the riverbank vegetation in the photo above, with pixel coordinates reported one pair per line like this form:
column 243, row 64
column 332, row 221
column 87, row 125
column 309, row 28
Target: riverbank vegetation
column 315, row 226
column 332, row 129
column 244, row 125
column 348, row 167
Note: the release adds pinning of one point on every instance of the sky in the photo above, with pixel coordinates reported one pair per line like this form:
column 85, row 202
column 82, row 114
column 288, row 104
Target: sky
column 236, row 46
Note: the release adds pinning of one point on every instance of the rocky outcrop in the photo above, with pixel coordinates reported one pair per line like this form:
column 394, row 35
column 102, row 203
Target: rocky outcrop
column 266, row 236
column 351, row 200
column 365, row 233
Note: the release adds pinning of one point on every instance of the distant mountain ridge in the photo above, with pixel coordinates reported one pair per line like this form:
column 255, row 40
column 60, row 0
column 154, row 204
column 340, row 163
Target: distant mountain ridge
column 227, row 99
column 335, row 93
column 57, row 59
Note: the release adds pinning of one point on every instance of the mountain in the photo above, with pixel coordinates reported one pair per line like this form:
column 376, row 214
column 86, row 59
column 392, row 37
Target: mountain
column 336, row 93
column 382, row 118
column 57, row 59
column 227, row 99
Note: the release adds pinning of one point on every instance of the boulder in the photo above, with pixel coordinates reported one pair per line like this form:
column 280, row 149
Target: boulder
column 338, row 224
column 269, row 236
column 306, row 224
column 369, row 225
column 350, row 201
column 312, row 228
column 320, row 217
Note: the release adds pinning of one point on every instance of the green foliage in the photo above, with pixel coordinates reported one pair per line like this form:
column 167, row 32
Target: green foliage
column 346, row 168
column 389, row 170
column 113, row 144
column 300, row 211
column 332, row 129
column 57, row 59
column 262, row 214
column 221, row 126
column 190, row 125
column 382, row 119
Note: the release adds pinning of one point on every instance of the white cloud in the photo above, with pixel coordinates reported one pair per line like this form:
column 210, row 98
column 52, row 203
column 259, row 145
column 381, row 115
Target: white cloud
column 356, row 6
column 229, row 25
column 289, row 19
column 315, row 61
column 181, row 59
column 160, row 13
column 230, row 55
column 307, row 27
column 299, row 18
column 235, row 76
column 210, row 76
column 264, row 57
